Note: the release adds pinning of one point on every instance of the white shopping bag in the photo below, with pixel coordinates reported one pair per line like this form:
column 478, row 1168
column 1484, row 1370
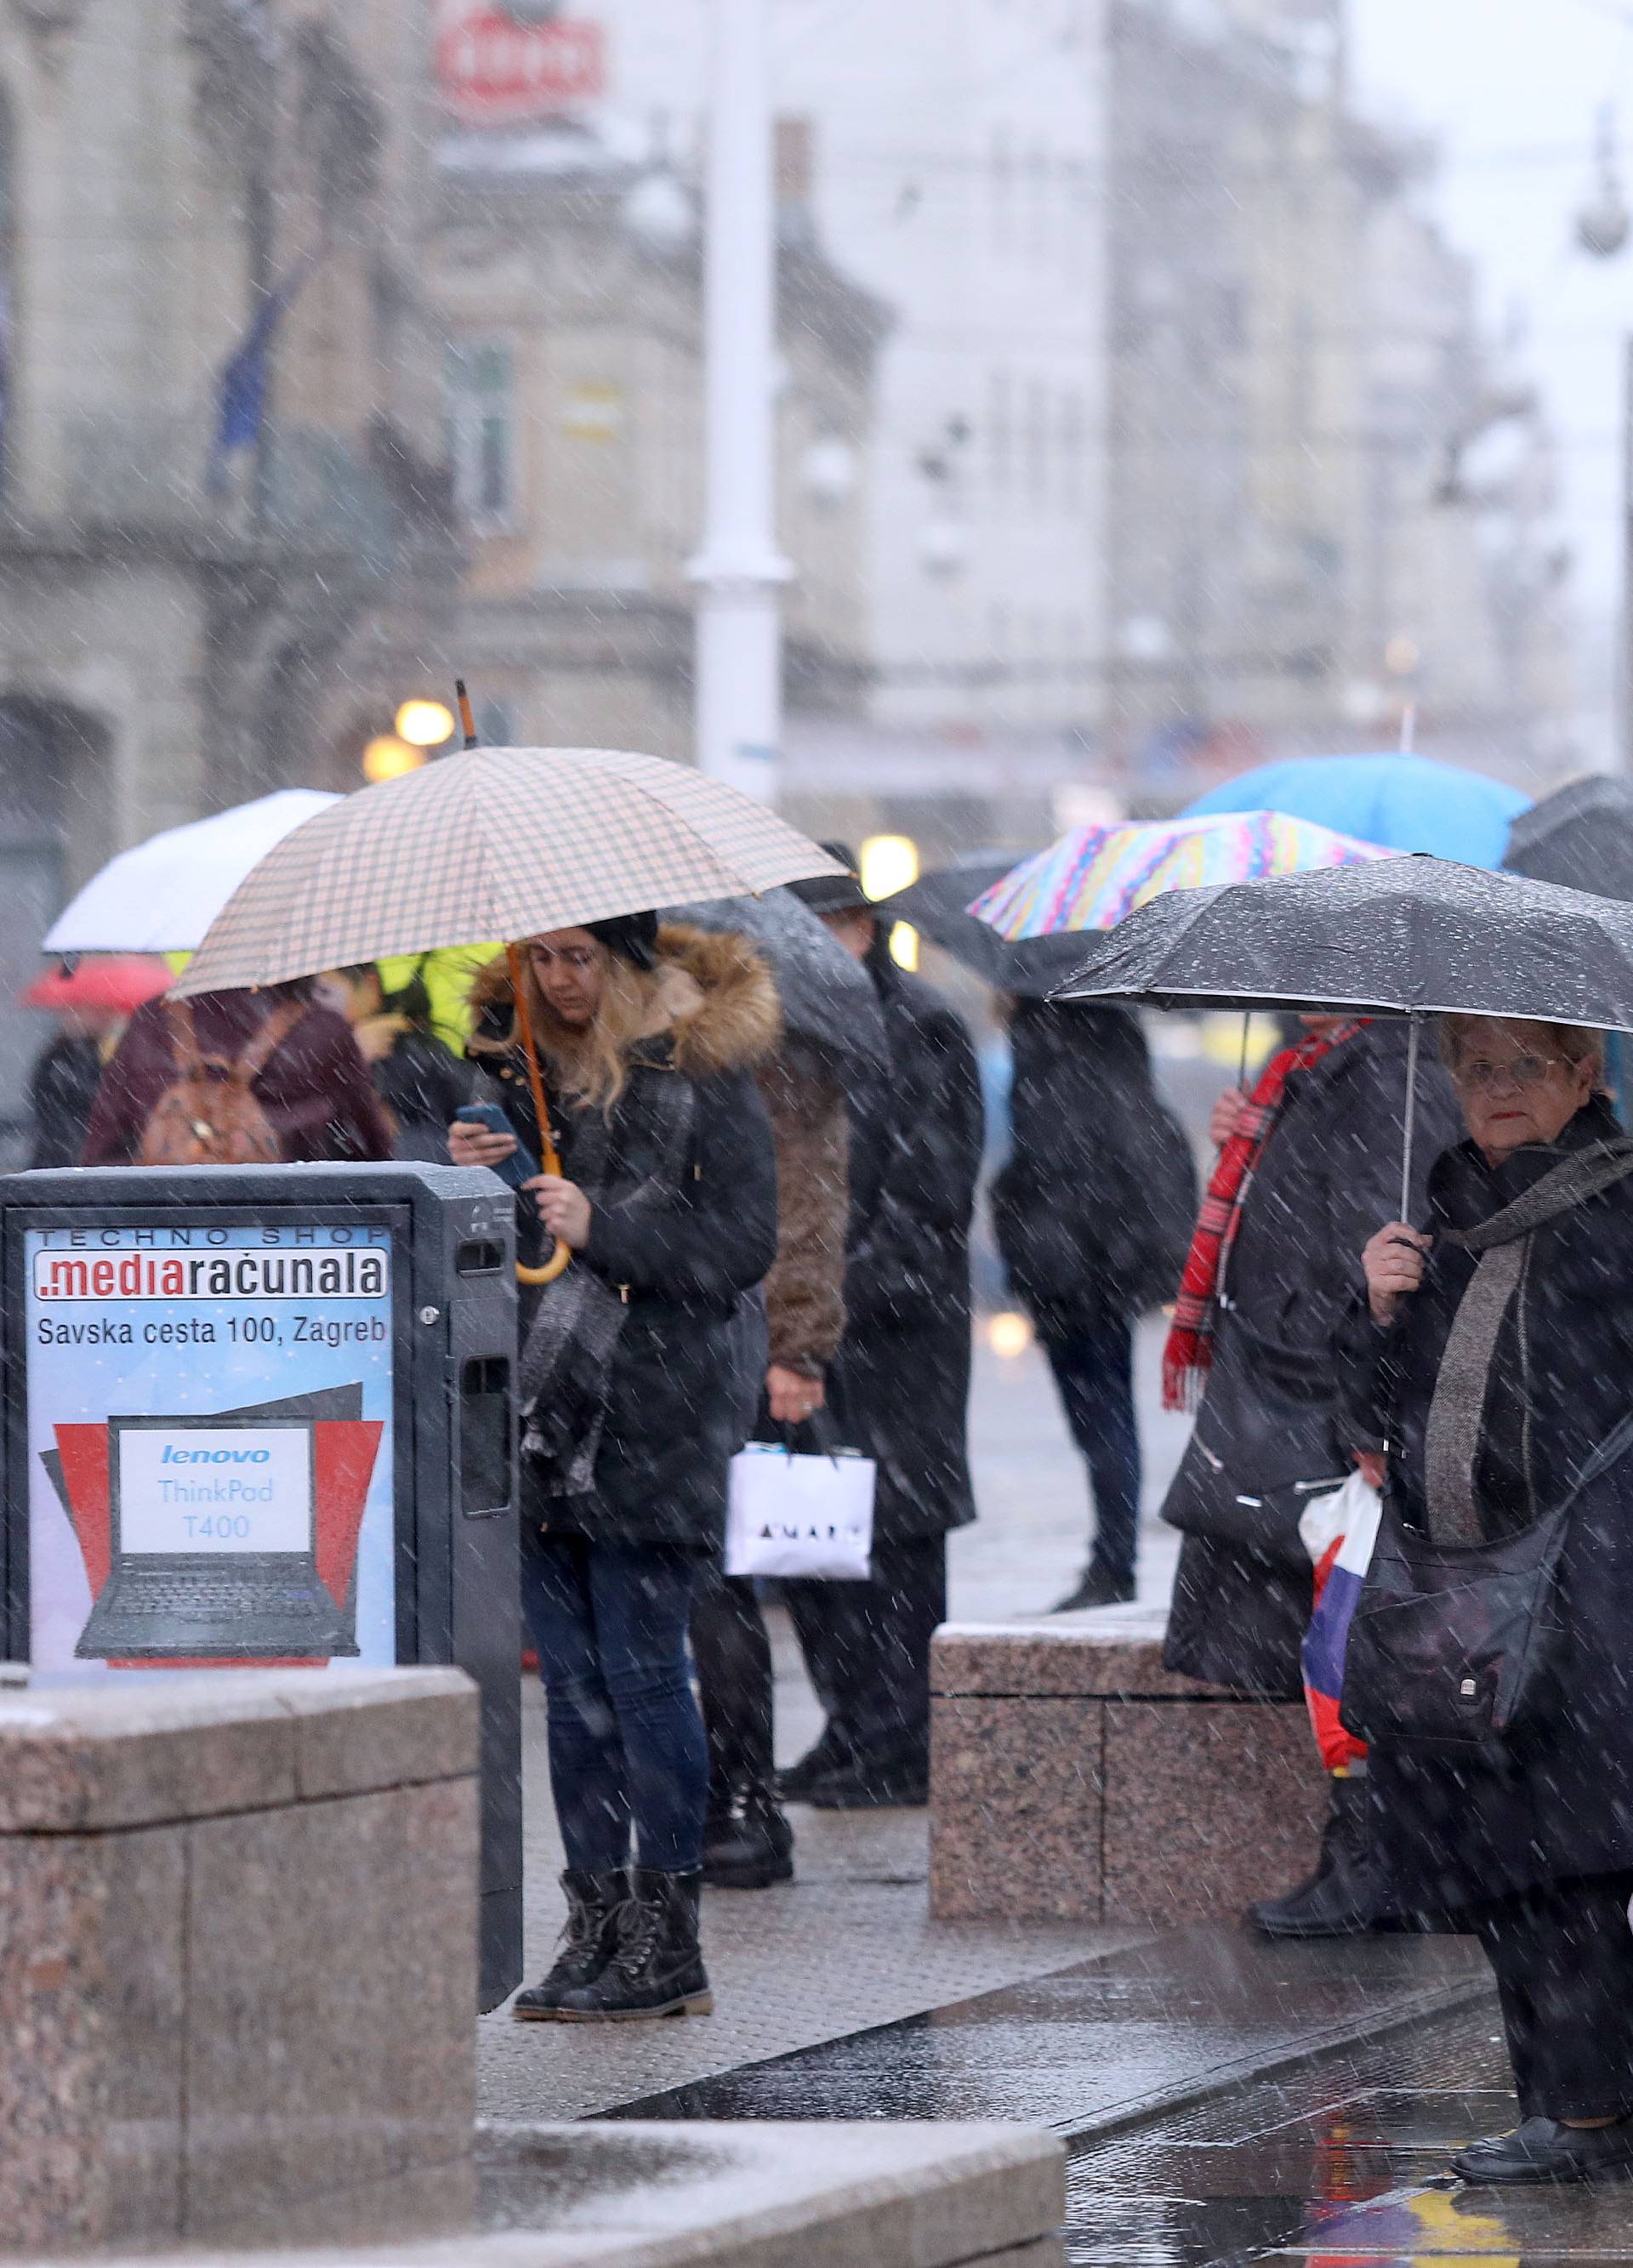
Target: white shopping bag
column 811, row 1517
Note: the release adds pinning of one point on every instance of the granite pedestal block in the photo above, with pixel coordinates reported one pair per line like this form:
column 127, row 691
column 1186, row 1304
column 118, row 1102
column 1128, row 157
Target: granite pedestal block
column 238, row 1945
column 882, row 2193
column 1072, row 1777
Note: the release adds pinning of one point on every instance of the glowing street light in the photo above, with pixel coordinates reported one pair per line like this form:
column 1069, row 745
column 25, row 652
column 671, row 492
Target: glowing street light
column 889, row 862
column 388, row 758
column 424, row 723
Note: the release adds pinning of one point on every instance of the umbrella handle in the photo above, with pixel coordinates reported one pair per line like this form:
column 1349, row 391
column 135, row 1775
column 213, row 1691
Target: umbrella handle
column 550, row 1160
column 1411, row 1113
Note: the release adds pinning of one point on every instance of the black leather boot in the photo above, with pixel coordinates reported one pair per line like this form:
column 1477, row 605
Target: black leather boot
column 588, row 1937
column 828, row 1755
column 656, row 1968
column 1346, row 1895
column 748, row 1845
column 1097, row 1587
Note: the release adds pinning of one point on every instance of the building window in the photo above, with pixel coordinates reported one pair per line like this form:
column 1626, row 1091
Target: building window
column 482, row 431
column 1037, row 443
column 1000, row 431
column 1001, row 173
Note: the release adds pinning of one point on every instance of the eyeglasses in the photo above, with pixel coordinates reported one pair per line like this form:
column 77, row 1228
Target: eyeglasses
column 576, row 957
column 1521, row 1073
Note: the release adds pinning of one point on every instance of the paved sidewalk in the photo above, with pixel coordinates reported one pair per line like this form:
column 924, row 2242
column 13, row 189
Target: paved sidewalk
column 849, row 1942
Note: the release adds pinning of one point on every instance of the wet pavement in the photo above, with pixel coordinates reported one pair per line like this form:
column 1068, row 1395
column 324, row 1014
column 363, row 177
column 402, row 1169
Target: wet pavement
column 1181, row 2014
column 1341, row 2161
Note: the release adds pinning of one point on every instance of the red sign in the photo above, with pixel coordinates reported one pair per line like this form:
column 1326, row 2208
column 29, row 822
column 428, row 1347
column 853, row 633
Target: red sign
column 493, row 70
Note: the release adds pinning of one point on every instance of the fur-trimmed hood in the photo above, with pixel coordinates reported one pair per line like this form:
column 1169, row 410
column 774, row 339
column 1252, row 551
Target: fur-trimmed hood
column 714, row 999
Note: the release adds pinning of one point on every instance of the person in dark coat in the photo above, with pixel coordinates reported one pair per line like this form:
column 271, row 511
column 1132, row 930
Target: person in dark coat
column 631, row 1405
column 314, row 1087
column 900, row 1388
column 1092, row 1212
column 748, row 1841
column 1527, row 1838
column 421, row 1082
column 1319, row 1150
column 61, row 1087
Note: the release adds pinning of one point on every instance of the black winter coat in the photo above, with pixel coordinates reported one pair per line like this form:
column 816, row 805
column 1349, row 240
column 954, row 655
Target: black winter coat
column 1559, row 1802
column 674, row 1395
column 1093, row 1209
column 62, row 1089
column 900, row 1388
column 1329, row 1177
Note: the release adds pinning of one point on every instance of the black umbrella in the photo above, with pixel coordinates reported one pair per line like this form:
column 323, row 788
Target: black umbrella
column 1581, row 837
column 827, row 995
column 1397, row 937
column 936, row 902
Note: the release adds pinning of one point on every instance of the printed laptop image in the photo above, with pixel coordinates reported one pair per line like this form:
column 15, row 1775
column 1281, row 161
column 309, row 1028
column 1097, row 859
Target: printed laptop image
column 212, row 1527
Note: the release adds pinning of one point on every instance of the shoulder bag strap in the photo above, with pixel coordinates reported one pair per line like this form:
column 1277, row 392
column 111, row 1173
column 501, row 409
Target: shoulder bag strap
column 273, row 1033
column 183, row 1039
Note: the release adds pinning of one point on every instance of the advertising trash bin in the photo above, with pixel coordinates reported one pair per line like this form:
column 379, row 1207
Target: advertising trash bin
column 262, row 1415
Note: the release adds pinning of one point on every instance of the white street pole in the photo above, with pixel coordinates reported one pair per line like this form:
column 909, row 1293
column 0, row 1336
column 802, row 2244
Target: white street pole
column 739, row 571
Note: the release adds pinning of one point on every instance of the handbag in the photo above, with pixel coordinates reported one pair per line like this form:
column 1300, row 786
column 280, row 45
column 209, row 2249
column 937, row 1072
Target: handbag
column 1277, row 1453
column 1452, row 1643
column 808, row 1517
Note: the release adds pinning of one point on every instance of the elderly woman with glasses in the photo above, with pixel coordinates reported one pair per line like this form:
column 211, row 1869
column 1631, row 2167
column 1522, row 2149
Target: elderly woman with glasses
column 1494, row 1355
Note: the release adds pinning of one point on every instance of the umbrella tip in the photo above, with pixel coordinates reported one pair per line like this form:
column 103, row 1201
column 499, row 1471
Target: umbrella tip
column 467, row 722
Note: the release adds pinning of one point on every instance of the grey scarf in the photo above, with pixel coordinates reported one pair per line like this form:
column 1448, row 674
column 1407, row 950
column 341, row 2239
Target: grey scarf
column 566, row 1361
column 1451, row 1441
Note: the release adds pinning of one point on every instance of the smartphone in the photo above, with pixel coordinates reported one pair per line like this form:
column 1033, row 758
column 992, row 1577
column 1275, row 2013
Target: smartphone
column 522, row 1165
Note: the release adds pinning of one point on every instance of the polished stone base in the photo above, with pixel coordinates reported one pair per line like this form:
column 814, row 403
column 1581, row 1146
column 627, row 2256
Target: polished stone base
column 237, row 1947
column 1072, row 1777
column 873, row 2194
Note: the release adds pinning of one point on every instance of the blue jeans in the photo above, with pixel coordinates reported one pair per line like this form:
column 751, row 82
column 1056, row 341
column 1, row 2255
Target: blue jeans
column 1093, row 1368
column 627, row 1750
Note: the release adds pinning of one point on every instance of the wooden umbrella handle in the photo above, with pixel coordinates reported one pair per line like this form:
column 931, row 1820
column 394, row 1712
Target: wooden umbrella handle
column 548, row 1160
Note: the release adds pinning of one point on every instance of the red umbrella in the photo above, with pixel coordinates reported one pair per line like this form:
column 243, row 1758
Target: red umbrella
column 115, row 984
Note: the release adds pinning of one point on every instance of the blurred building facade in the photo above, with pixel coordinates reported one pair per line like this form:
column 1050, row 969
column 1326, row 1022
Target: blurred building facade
column 958, row 170
column 570, row 278
column 1328, row 500
column 224, row 539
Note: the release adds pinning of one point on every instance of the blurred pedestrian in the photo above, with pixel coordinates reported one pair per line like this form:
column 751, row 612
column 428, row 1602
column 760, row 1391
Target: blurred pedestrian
column 418, row 1080
column 631, row 1405
column 295, row 1060
column 1304, row 1165
column 1092, row 1211
column 900, row 1388
column 1495, row 1352
column 61, row 1086
column 748, row 1842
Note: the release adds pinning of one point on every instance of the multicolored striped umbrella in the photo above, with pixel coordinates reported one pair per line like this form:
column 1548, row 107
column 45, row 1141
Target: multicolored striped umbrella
column 1094, row 875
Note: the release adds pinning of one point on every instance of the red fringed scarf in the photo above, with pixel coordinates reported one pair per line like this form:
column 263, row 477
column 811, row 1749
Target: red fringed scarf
column 1190, row 1346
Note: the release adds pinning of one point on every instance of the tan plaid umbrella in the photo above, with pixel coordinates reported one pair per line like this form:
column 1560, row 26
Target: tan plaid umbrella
column 495, row 843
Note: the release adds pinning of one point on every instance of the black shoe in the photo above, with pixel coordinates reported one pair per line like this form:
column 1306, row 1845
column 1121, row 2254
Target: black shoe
column 828, row 1755
column 588, row 1937
column 656, row 1968
column 862, row 1786
column 1346, row 1895
column 748, row 1847
column 1543, row 2150
column 1100, row 1587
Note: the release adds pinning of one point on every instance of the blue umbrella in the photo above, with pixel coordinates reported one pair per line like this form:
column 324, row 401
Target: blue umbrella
column 1402, row 802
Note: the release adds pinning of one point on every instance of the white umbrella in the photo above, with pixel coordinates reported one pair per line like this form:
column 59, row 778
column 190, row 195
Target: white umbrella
column 162, row 896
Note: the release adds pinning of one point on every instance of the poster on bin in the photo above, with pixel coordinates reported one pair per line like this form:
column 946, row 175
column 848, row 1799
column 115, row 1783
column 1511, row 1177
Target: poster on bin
column 209, row 1445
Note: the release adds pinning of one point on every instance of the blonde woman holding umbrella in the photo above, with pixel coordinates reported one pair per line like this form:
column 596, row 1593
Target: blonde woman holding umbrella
column 631, row 1397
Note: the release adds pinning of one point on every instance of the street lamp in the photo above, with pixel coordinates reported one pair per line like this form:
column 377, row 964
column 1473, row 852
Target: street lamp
column 738, row 570
column 388, row 758
column 424, row 723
